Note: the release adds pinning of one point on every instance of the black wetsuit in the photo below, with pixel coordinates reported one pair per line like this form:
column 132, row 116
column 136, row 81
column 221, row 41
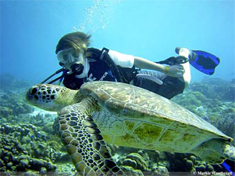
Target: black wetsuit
column 100, row 70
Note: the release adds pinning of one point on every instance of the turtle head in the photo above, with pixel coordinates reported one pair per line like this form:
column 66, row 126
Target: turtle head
column 51, row 97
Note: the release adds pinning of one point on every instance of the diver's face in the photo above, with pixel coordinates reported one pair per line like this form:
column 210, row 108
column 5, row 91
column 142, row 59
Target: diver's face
column 70, row 57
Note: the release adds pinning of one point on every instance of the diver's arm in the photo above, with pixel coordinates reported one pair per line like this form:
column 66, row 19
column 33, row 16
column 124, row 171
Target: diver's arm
column 127, row 61
column 174, row 70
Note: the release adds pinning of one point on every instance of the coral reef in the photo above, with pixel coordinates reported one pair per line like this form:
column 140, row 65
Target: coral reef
column 25, row 148
column 149, row 162
column 13, row 104
column 214, row 100
column 9, row 82
column 216, row 88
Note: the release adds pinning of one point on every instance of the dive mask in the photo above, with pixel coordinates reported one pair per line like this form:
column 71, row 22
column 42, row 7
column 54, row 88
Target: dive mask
column 71, row 60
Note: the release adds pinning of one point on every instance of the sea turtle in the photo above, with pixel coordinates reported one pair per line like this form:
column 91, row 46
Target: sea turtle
column 122, row 114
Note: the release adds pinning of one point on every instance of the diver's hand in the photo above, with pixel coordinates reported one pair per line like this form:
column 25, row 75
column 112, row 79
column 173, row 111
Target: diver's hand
column 175, row 70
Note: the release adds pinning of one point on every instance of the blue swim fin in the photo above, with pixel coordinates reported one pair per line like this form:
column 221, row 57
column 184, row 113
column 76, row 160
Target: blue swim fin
column 204, row 62
column 228, row 168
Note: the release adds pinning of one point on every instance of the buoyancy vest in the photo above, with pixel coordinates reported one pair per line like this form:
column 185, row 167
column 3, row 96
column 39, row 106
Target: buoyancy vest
column 102, row 67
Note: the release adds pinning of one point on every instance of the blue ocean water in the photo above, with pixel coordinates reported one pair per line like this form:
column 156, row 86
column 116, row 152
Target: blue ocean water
column 151, row 29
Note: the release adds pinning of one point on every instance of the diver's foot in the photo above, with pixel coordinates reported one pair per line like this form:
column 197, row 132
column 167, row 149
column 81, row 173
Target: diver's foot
column 186, row 53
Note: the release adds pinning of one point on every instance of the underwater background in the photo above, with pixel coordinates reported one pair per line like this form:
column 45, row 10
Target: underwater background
column 151, row 29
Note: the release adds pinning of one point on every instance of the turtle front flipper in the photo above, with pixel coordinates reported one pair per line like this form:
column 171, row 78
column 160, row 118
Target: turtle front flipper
column 83, row 141
column 229, row 152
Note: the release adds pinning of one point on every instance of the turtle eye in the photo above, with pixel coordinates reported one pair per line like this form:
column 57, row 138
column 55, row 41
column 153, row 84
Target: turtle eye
column 33, row 91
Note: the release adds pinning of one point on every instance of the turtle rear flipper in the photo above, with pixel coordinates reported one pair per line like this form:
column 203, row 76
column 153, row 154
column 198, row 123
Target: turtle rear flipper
column 229, row 152
column 215, row 151
column 83, row 141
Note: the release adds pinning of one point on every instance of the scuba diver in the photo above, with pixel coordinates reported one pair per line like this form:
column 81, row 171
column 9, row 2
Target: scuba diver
column 166, row 78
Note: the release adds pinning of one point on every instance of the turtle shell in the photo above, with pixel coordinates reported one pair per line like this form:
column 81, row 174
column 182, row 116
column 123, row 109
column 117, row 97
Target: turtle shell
column 135, row 117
